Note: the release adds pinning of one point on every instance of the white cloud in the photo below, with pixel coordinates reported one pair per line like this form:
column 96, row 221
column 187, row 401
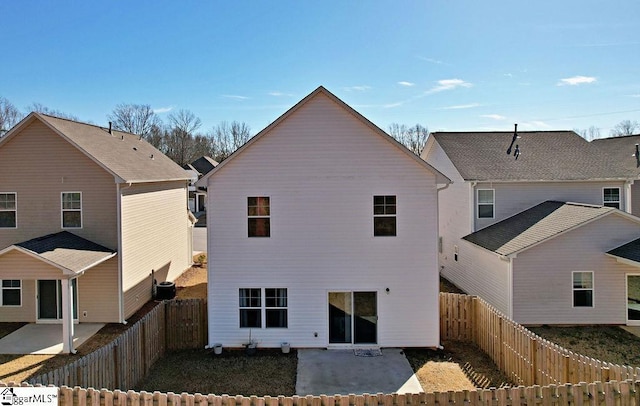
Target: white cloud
column 494, row 116
column 161, row 110
column 576, row 80
column 279, row 94
column 634, row 95
column 533, row 125
column 392, row 105
column 461, row 106
column 356, row 88
column 448, row 84
column 234, row 97
column 407, row 84
column 431, row 60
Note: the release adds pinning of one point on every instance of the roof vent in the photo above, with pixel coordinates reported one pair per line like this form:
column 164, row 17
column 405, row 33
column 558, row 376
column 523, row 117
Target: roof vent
column 516, row 153
column 151, row 156
column 110, row 124
column 637, row 155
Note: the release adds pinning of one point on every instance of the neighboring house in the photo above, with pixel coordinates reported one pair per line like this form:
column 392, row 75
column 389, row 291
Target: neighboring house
column 558, row 263
column 322, row 232
column 625, row 150
column 490, row 185
column 196, row 170
column 88, row 218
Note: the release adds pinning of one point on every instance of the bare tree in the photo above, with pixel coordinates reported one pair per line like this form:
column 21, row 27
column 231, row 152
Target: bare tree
column 180, row 136
column 40, row 108
column 588, row 134
column 625, row 127
column 414, row 137
column 228, row 137
column 9, row 115
column 137, row 119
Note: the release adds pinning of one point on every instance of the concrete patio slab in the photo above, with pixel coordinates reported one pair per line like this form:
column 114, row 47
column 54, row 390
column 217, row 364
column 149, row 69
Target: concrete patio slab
column 330, row 372
column 44, row 338
column 635, row 330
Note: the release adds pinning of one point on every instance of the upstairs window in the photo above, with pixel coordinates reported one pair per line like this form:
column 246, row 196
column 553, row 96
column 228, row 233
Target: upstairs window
column 71, row 210
column 582, row 289
column 8, row 210
column 259, row 216
column 11, row 292
column 486, row 203
column 611, row 197
column 384, row 216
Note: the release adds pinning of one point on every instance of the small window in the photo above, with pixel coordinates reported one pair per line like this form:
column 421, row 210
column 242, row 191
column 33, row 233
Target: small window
column 384, row 216
column 486, row 203
column 276, row 307
column 611, row 197
column 455, row 253
column 71, row 210
column 250, row 307
column 11, row 293
column 259, row 213
column 582, row 289
column 8, row 210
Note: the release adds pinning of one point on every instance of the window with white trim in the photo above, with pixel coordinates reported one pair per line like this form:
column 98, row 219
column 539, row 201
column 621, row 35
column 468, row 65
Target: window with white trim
column 384, row 216
column 11, row 292
column 259, row 216
column 486, row 203
column 611, row 197
column 582, row 288
column 8, row 210
column 273, row 310
column 71, row 209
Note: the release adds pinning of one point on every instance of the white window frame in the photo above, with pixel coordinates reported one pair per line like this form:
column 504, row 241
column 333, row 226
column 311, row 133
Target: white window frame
column 385, row 214
column 493, row 203
column 259, row 216
column 619, row 201
column 592, row 289
column 2, row 289
column 264, row 308
column 241, row 308
column 285, row 307
column 15, row 194
column 62, row 210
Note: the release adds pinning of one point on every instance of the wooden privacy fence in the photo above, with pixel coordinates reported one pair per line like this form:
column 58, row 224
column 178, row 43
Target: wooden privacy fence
column 172, row 325
column 608, row 394
column 526, row 358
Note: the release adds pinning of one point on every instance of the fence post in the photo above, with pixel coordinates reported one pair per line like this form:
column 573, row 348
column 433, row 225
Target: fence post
column 534, row 363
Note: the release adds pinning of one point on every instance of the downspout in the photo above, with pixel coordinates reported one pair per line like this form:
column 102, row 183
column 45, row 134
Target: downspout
column 627, row 195
column 472, row 206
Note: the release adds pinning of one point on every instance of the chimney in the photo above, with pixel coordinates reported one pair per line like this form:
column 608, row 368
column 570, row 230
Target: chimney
column 110, row 127
column 637, row 156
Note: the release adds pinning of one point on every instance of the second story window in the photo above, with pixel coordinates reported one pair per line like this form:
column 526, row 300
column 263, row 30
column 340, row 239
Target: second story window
column 611, row 197
column 259, row 213
column 486, row 203
column 384, row 216
column 71, row 210
column 8, row 210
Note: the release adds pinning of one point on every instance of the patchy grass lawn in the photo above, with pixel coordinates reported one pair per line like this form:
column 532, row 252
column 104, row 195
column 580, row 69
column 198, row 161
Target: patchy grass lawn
column 269, row 372
column 606, row 343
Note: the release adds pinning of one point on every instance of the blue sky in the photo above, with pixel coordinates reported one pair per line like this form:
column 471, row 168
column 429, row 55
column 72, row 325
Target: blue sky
column 449, row 65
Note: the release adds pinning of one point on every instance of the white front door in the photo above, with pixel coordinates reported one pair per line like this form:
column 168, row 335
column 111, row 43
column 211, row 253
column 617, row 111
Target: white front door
column 49, row 300
column 633, row 299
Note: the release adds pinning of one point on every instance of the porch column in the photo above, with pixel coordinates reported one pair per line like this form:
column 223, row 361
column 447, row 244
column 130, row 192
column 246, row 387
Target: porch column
column 67, row 317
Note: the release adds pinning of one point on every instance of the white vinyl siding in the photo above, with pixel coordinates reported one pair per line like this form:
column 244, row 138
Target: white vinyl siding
column 321, row 167
column 8, row 210
column 71, row 209
column 611, row 197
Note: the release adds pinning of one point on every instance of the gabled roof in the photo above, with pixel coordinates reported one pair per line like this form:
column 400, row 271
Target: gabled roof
column 544, row 156
column 621, row 149
column 440, row 178
column 536, row 225
column 629, row 251
column 68, row 252
column 127, row 157
column 204, row 164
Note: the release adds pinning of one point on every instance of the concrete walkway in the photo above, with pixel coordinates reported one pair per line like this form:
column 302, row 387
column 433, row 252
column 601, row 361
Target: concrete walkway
column 635, row 330
column 330, row 372
column 44, row 338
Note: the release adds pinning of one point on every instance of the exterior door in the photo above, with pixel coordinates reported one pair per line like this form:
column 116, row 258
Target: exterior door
column 50, row 299
column 353, row 318
column 633, row 299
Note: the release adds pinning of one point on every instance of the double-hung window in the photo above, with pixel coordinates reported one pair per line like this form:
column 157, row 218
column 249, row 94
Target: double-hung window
column 259, row 216
column 611, row 197
column 8, row 210
column 11, row 292
column 486, row 203
column 384, row 216
column 582, row 289
column 274, row 307
column 71, row 210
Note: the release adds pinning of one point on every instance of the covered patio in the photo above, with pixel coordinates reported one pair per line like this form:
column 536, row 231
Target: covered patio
column 41, row 339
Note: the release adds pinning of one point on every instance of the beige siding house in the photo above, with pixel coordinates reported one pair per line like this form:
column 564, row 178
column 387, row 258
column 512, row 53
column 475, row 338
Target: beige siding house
column 88, row 218
column 322, row 232
column 491, row 186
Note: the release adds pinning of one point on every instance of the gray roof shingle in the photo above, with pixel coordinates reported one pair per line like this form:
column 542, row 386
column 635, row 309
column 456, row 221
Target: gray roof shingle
column 630, row 251
column 622, row 149
column 67, row 250
column 544, row 156
column 535, row 225
column 125, row 155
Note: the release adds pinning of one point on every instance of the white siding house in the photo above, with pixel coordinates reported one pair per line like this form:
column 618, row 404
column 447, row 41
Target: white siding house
column 293, row 251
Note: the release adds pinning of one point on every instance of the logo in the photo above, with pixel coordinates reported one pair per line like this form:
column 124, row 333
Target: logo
column 24, row 396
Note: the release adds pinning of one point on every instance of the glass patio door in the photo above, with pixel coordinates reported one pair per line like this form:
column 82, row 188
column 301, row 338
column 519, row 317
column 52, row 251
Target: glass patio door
column 633, row 300
column 353, row 318
column 50, row 299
